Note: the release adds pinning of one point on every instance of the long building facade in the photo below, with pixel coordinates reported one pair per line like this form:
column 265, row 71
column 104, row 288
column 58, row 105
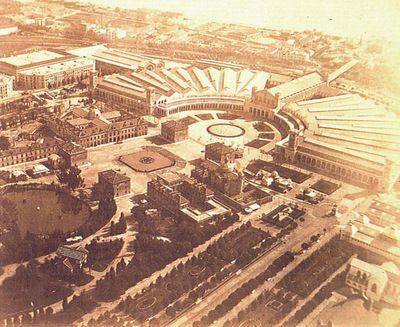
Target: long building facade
column 46, row 69
column 91, row 127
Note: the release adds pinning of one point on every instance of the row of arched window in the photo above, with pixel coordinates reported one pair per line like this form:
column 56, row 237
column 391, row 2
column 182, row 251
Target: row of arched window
column 336, row 169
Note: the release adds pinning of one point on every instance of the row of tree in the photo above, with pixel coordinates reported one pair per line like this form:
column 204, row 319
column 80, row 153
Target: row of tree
column 245, row 289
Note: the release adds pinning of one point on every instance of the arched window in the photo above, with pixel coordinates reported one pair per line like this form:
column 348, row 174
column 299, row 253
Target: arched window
column 374, row 288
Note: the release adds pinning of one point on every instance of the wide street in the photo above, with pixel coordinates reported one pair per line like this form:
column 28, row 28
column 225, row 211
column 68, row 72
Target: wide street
column 292, row 242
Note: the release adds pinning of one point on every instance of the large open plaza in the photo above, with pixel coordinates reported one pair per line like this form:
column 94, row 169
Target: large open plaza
column 161, row 169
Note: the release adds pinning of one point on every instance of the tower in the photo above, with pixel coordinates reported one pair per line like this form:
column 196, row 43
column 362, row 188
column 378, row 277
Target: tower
column 150, row 99
column 294, row 139
column 390, row 174
column 93, row 80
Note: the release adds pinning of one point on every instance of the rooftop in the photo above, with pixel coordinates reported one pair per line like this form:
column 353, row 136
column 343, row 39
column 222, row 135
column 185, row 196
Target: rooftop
column 176, row 125
column 123, row 59
column 113, row 176
column 31, row 58
column 169, row 178
column 59, row 66
column 297, row 85
column 5, row 79
column 183, row 82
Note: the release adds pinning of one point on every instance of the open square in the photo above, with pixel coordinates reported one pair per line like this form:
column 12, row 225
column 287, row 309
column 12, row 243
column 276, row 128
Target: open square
column 146, row 161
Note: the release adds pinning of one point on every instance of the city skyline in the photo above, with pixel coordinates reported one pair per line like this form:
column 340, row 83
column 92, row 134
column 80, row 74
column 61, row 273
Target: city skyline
column 196, row 164
column 352, row 19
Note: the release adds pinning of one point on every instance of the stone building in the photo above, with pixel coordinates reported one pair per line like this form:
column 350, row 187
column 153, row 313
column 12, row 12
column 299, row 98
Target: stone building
column 41, row 149
column 345, row 137
column 167, row 91
column 73, row 154
column 90, row 127
column 380, row 242
column 6, row 87
column 376, row 283
column 120, row 183
column 164, row 191
column 183, row 196
column 220, row 178
column 220, row 153
column 46, row 69
column 174, row 131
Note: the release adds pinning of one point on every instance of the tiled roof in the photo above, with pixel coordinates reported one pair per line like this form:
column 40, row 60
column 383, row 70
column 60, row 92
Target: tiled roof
column 113, row 177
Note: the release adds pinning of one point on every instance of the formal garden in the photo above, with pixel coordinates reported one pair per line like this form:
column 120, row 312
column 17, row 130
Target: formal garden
column 243, row 291
column 275, row 304
column 190, row 281
column 157, row 245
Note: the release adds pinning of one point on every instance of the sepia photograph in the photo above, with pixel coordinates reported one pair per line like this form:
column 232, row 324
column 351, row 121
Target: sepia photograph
column 183, row 163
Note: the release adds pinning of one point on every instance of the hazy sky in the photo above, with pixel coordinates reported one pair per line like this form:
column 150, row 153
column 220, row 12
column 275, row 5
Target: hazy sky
column 376, row 18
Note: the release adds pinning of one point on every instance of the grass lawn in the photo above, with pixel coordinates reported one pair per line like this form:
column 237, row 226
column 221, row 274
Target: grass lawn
column 45, row 211
column 204, row 116
column 257, row 143
column 227, row 116
column 262, row 127
column 189, row 120
column 325, row 186
column 268, row 135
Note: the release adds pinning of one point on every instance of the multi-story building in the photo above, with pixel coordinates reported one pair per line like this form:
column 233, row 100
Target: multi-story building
column 174, row 131
column 163, row 190
column 345, row 137
column 91, row 127
column 183, row 196
column 6, row 87
column 382, row 242
column 46, row 69
column 110, row 61
column 221, row 178
column 38, row 150
column 263, row 102
column 120, row 183
column 220, row 153
column 376, row 283
column 164, row 91
column 73, row 154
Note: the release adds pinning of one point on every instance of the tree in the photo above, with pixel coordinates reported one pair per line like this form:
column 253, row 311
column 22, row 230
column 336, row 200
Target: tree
column 171, row 312
column 4, row 143
column 65, row 304
column 70, row 176
column 101, row 191
column 49, row 311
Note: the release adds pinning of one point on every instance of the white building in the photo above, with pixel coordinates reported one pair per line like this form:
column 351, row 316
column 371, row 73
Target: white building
column 8, row 29
column 6, row 86
column 382, row 241
column 375, row 283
